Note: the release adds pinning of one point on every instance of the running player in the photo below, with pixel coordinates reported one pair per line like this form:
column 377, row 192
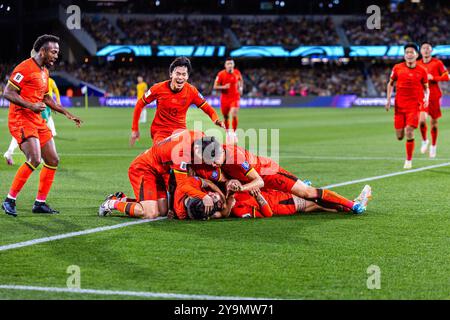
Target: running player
column 436, row 72
column 27, row 91
column 173, row 98
column 231, row 84
column 141, row 87
column 412, row 86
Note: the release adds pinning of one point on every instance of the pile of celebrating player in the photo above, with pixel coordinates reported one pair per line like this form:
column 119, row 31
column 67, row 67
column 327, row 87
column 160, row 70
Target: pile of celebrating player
column 189, row 175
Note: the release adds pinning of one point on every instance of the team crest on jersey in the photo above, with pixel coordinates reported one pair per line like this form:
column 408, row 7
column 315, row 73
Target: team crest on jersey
column 246, row 165
column 183, row 166
column 147, row 93
column 214, row 175
column 18, row 77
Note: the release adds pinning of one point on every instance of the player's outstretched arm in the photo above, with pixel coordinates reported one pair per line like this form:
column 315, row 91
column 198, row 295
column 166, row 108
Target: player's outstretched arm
column 12, row 95
column 212, row 114
column 58, row 108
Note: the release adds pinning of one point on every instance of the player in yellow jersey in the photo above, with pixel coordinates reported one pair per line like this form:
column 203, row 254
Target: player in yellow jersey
column 141, row 88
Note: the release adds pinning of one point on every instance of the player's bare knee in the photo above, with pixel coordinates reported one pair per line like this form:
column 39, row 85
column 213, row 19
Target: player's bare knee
column 53, row 161
column 34, row 159
column 163, row 207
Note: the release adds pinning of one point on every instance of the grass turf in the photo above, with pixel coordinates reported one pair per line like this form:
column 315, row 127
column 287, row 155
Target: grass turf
column 405, row 230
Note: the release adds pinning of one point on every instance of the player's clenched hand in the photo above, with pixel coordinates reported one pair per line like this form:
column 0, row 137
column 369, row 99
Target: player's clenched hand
column 387, row 106
column 75, row 119
column 208, row 203
column 234, row 185
column 37, row 107
column 134, row 137
column 220, row 123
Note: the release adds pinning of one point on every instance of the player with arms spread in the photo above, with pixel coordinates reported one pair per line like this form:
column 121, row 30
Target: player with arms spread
column 229, row 81
column 412, row 86
column 436, row 72
column 173, row 98
column 27, row 91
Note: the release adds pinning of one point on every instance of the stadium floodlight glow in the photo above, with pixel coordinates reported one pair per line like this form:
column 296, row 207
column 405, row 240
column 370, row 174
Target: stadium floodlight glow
column 157, row 3
column 137, row 50
column 282, row 3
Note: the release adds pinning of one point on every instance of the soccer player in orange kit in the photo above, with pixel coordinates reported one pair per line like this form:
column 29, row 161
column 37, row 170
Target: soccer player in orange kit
column 436, row 72
column 412, row 86
column 28, row 93
column 253, row 173
column 146, row 173
column 173, row 98
column 231, row 84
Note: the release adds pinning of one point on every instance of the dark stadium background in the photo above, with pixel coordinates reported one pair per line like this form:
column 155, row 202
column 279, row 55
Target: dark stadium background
column 311, row 23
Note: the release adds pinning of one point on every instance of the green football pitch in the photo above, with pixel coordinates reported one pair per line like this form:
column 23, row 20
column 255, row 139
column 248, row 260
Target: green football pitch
column 404, row 233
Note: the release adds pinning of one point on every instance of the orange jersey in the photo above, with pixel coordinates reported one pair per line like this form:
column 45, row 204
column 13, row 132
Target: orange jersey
column 409, row 85
column 32, row 82
column 436, row 68
column 233, row 78
column 179, row 197
column 171, row 108
column 172, row 153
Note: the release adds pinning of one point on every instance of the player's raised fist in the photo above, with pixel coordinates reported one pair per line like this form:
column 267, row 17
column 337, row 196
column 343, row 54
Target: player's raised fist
column 134, row 137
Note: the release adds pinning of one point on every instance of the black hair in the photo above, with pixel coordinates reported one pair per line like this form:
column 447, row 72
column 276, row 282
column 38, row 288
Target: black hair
column 43, row 40
column 196, row 209
column 210, row 147
column 426, row 42
column 180, row 62
column 411, row 45
column 229, row 58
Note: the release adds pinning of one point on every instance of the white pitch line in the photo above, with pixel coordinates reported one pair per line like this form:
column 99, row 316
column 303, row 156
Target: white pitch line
column 387, row 175
column 141, row 294
column 122, row 225
column 75, row 234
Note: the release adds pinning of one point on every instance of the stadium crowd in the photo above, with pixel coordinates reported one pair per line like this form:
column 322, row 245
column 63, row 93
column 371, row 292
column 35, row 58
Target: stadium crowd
column 285, row 32
column 402, row 26
column 320, row 80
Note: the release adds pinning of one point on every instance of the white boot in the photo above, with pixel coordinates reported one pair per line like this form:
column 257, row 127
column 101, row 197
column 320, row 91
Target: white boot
column 432, row 151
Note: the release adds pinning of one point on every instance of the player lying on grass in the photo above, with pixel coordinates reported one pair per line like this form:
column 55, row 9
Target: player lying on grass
column 256, row 172
column 147, row 171
column 240, row 204
column 173, row 98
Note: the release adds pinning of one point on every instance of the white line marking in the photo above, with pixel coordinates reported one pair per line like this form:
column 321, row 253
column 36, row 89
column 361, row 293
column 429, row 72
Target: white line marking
column 387, row 175
column 122, row 225
column 75, row 234
column 128, row 293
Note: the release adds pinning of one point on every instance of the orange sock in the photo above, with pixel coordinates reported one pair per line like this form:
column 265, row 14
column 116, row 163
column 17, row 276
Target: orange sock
column 409, row 149
column 125, row 207
column 45, row 182
column 423, row 131
column 434, row 135
column 335, row 198
column 20, row 179
column 235, row 123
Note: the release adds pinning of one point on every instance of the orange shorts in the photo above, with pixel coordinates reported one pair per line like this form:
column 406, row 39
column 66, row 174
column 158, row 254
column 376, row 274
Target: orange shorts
column 434, row 108
column 146, row 185
column 403, row 119
column 282, row 203
column 22, row 130
column 282, row 180
column 226, row 105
